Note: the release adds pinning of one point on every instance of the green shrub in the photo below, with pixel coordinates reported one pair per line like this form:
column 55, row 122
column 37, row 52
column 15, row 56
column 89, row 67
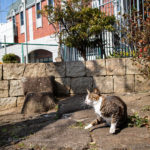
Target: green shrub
column 10, row 58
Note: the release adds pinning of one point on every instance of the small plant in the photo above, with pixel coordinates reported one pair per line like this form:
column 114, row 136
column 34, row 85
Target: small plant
column 146, row 108
column 21, row 145
column 137, row 121
column 10, row 58
column 78, row 125
column 93, row 146
column 56, row 107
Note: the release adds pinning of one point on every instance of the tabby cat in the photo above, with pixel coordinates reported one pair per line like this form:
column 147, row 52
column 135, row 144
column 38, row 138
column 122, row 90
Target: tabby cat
column 110, row 109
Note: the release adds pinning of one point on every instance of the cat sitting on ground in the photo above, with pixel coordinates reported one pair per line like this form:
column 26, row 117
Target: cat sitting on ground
column 110, row 109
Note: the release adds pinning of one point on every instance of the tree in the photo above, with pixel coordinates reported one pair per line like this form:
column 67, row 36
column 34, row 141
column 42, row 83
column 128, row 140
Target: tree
column 81, row 26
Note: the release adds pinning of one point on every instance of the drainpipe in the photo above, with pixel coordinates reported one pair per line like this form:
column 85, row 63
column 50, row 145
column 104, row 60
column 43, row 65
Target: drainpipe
column 5, row 44
column 25, row 25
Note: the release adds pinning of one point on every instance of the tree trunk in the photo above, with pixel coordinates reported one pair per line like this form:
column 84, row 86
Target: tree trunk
column 83, row 54
column 59, row 58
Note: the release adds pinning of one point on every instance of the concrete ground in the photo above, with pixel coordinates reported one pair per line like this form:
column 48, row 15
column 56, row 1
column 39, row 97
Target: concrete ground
column 47, row 132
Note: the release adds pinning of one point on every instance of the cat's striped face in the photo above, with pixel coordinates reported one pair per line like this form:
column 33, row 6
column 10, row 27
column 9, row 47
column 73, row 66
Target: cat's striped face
column 92, row 97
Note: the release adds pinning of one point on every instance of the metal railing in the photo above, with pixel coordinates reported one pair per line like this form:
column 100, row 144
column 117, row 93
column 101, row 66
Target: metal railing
column 113, row 44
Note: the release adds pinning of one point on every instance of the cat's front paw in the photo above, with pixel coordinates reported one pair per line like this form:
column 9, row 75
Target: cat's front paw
column 112, row 130
column 88, row 126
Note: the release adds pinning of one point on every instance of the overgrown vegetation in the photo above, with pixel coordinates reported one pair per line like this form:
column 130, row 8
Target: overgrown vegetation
column 137, row 28
column 10, row 58
column 78, row 25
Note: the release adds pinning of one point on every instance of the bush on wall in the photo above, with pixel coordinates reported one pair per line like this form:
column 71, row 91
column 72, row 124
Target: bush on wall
column 10, row 58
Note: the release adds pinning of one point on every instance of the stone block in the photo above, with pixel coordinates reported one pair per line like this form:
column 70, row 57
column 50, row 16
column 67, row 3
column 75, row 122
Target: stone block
column 115, row 66
column 124, row 84
column 62, row 86
column 0, row 71
column 3, row 88
column 16, row 88
column 7, row 103
column 13, row 71
column 4, row 85
column 80, row 85
column 20, row 101
column 38, row 84
column 75, row 69
column 55, row 69
column 3, row 93
column 142, row 84
column 104, row 84
column 132, row 67
column 35, row 70
column 38, row 102
column 95, row 68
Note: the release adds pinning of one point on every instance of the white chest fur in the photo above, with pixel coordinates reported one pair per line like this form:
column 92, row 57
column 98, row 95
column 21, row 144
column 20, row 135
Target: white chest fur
column 97, row 106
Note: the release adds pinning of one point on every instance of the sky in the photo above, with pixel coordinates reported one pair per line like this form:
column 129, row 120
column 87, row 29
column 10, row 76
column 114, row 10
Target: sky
column 4, row 7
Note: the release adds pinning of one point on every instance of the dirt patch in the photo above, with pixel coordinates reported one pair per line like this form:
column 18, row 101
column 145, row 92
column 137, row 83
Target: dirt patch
column 47, row 132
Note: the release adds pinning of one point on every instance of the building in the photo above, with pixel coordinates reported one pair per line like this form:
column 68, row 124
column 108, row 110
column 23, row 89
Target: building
column 38, row 31
column 34, row 28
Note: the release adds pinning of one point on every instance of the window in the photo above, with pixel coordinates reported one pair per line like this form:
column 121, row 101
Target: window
column 44, row 60
column 38, row 16
column 38, row 7
column 51, row 2
column 22, row 18
column 22, row 21
column 14, row 21
column 118, row 5
column 62, row 4
column 95, row 3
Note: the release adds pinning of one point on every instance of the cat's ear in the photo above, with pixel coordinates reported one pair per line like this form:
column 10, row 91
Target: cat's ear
column 88, row 91
column 96, row 91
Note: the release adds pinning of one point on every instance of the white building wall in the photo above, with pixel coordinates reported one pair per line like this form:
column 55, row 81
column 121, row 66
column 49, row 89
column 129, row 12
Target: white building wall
column 30, row 24
column 6, row 30
column 17, row 49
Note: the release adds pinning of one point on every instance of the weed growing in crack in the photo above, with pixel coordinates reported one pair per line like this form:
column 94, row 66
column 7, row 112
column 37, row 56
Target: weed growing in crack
column 137, row 121
column 78, row 125
column 146, row 108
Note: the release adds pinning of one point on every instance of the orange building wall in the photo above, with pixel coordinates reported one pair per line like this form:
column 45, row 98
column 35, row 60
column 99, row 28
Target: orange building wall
column 21, row 37
column 43, row 31
column 107, row 8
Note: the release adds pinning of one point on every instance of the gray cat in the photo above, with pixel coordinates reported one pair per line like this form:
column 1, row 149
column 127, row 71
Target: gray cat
column 110, row 109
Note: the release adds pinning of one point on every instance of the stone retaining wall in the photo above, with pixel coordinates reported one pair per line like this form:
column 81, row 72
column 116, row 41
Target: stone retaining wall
column 110, row 76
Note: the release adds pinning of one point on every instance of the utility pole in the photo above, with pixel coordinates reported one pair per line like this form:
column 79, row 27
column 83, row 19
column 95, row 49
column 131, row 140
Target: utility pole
column 25, row 25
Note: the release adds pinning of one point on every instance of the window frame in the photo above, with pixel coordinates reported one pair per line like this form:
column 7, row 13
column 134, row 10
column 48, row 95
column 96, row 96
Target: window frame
column 38, row 19
column 53, row 3
column 99, row 2
column 21, row 18
column 38, row 7
column 22, row 26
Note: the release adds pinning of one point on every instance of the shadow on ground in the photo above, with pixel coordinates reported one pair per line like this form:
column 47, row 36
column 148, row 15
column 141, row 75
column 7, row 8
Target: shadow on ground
column 15, row 132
